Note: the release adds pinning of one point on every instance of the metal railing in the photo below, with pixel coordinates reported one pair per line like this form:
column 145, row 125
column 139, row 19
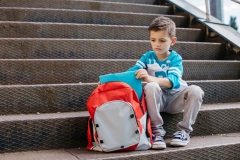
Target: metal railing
column 224, row 30
column 220, row 9
column 237, row 1
column 207, row 10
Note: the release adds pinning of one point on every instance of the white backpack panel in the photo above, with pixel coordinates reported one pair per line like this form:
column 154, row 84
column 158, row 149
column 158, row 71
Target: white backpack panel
column 116, row 126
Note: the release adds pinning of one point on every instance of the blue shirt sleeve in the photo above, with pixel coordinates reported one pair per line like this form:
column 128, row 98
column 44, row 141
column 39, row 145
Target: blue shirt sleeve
column 175, row 72
column 140, row 64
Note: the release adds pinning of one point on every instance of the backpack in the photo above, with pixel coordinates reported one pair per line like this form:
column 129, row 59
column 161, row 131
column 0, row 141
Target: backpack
column 118, row 120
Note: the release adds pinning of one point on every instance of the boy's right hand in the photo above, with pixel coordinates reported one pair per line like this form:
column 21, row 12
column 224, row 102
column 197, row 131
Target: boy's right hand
column 142, row 74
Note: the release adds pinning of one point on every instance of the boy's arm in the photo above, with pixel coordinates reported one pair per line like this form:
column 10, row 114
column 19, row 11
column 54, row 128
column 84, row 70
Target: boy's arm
column 175, row 72
column 172, row 81
column 142, row 74
column 140, row 64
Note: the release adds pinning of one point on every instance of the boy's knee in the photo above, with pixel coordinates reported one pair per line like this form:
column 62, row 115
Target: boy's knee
column 152, row 87
column 195, row 91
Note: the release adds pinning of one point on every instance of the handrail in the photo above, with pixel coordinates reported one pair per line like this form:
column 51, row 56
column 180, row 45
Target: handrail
column 207, row 10
column 225, row 31
column 236, row 1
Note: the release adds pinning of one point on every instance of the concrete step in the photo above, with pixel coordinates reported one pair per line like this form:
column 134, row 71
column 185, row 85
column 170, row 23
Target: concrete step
column 130, row 1
column 87, row 31
column 25, row 71
column 45, row 131
column 222, row 146
column 37, row 48
column 53, row 98
column 89, row 5
column 68, row 130
column 82, row 16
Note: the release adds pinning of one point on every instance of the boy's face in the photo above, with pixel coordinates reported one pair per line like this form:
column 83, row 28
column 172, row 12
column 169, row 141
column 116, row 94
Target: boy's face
column 161, row 42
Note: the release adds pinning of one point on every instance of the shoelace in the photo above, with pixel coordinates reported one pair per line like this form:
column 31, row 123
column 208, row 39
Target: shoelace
column 157, row 138
column 180, row 134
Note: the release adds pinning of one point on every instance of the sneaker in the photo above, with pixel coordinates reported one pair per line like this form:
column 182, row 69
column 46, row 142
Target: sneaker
column 158, row 142
column 181, row 139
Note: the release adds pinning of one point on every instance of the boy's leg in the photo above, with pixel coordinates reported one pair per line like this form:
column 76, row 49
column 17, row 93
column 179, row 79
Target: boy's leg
column 188, row 101
column 154, row 99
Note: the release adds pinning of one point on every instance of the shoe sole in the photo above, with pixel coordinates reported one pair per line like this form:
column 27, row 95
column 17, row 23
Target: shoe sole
column 178, row 144
column 159, row 147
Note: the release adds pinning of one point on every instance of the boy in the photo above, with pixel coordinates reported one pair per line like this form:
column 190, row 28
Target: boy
column 165, row 90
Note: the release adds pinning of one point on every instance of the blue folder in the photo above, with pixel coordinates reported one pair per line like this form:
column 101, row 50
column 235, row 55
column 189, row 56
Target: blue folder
column 127, row 77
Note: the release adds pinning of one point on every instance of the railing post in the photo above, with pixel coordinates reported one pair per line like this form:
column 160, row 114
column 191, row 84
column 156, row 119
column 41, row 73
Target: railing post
column 207, row 10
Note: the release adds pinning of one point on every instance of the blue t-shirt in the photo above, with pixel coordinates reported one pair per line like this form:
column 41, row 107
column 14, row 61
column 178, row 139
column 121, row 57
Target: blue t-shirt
column 170, row 68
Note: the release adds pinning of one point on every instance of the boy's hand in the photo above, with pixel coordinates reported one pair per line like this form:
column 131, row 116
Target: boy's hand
column 142, row 74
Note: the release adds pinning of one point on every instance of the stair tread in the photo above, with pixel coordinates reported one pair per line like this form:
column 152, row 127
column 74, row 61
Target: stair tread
column 112, row 40
column 95, row 84
column 197, row 142
column 82, row 16
column 44, row 116
column 101, row 60
column 89, row 1
column 146, row 2
column 42, row 48
column 220, row 106
column 47, row 98
column 45, row 71
column 94, row 5
column 76, row 10
column 81, row 1
column 97, row 25
column 129, row 1
column 87, row 31
column 39, row 116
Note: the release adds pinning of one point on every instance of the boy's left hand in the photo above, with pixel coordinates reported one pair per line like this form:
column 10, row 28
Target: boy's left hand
column 142, row 74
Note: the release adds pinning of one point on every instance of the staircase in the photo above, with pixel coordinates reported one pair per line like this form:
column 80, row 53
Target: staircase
column 52, row 52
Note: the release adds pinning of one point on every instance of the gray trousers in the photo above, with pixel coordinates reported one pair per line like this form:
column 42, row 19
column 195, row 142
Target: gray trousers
column 187, row 101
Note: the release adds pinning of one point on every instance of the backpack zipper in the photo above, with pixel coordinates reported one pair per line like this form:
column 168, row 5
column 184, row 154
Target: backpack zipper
column 141, row 107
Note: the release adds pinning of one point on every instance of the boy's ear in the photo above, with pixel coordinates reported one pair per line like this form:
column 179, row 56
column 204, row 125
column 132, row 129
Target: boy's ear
column 174, row 40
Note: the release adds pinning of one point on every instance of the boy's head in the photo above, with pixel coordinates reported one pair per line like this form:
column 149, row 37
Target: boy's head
column 162, row 36
column 163, row 24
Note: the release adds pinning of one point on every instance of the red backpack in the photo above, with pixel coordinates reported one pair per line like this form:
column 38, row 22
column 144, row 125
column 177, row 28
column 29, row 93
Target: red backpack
column 118, row 120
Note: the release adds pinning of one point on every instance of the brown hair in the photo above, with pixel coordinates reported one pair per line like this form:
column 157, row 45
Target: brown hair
column 163, row 23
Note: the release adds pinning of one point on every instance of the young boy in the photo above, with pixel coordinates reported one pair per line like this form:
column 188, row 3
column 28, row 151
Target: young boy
column 165, row 90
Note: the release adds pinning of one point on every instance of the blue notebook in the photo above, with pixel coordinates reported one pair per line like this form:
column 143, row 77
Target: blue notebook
column 127, row 77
